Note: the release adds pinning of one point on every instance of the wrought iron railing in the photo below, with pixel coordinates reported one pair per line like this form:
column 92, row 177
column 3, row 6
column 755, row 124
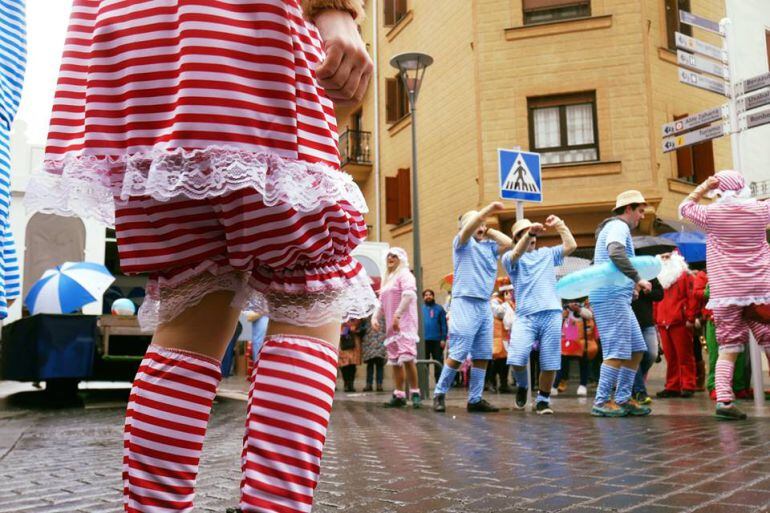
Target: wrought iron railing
column 355, row 147
column 760, row 189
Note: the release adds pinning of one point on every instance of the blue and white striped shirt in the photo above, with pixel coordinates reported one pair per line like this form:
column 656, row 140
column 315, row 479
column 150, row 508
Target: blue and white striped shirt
column 615, row 230
column 533, row 277
column 475, row 268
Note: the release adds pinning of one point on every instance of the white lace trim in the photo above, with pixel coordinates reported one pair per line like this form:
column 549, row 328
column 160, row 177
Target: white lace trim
column 356, row 300
column 82, row 185
column 737, row 301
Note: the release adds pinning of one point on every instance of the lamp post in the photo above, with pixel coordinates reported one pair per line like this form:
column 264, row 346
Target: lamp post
column 411, row 67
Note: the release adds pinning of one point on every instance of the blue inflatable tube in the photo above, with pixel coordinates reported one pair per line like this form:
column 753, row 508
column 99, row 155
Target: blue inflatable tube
column 581, row 283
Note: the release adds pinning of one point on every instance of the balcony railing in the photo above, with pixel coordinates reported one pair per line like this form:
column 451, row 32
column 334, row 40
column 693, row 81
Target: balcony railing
column 354, row 147
column 760, row 189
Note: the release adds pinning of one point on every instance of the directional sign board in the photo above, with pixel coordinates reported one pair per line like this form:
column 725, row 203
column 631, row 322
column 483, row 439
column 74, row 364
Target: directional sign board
column 697, row 21
column 754, row 83
column 696, row 120
column 520, row 176
column 690, row 138
column 691, row 44
column 757, row 119
column 754, row 101
column 699, row 63
column 702, row 81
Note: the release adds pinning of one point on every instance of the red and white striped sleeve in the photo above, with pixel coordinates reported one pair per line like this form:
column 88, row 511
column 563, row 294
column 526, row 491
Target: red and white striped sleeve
column 694, row 212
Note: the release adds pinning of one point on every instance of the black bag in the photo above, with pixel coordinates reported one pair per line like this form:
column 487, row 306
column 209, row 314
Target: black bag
column 347, row 342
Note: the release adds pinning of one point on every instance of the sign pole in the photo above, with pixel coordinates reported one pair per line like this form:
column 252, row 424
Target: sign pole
column 755, row 353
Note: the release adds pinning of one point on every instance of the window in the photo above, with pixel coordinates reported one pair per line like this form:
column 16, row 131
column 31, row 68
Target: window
column 398, row 198
column 695, row 163
column 672, row 21
column 394, row 11
column 543, row 11
column 397, row 102
column 563, row 128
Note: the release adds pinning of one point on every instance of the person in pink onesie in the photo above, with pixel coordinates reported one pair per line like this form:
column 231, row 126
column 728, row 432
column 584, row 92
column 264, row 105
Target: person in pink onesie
column 738, row 261
column 398, row 301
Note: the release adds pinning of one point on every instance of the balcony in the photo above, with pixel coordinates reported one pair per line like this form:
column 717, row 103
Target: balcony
column 355, row 157
column 760, row 190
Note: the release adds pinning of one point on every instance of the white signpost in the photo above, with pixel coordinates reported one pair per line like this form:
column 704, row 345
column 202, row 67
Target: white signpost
column 690, row 130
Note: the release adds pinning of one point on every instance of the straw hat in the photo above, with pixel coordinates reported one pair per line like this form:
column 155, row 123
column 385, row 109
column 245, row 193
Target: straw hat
column 521, row 225
column 629, row 197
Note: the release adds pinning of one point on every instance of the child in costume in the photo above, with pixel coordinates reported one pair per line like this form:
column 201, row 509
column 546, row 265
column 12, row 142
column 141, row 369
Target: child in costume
column 738, row 263
column 205, row 131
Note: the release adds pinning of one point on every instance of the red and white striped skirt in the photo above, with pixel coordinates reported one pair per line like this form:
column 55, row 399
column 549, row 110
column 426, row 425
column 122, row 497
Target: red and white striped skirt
column 198, row 128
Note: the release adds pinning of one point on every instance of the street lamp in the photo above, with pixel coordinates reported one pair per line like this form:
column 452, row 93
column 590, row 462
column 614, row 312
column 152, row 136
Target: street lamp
column 411, row 67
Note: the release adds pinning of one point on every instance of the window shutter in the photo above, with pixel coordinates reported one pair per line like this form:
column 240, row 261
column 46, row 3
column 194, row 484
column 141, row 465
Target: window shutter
column 404, row 194
column 703, row 161
column 684, row 163
column 391, row 200
column 389, row 15
column 400, row 10
column 391, row 100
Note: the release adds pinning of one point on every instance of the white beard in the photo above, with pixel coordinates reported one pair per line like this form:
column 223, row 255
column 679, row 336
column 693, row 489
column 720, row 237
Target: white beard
column 671, row 270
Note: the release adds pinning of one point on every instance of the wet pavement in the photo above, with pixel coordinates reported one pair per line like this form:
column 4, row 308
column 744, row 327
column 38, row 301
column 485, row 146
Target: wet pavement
column 416, row 461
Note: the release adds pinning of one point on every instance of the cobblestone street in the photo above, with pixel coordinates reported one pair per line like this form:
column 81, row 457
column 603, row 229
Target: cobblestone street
column 411, row 461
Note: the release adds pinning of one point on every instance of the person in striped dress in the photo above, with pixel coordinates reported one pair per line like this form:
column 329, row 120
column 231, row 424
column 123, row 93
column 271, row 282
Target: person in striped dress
column 476, row 249
column 738, row 261
column 398, row 300
column 205, row 131
column 539, row 312
column 623, row 344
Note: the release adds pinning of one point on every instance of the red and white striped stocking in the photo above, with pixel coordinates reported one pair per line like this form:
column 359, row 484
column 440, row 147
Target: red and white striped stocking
column 166, row 420
column 290, row 401
column 723, row 380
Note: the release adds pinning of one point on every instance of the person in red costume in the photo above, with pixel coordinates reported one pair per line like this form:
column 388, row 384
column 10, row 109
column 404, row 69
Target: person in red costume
column 675, row 316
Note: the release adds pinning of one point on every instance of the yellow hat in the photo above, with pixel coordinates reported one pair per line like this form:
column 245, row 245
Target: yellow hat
column 629, row 197
column 521, row 225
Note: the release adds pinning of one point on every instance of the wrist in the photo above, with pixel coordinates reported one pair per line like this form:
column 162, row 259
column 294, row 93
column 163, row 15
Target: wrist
column 312, row 9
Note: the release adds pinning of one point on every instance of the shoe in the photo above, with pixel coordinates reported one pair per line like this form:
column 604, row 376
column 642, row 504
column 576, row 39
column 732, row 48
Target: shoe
column 608, row 409
column 634, row 409
column 582, row 391
column 521, row 398
column 438, row 403
column 643, row 398
column 380, row 388
column 746, row 393
column 492, row 389
column 687, row 394
column 554, row 391
column 713, row 395
column 481, row 406
column 395, row 402
column 668, row 393
column 368, row 388
column 416, row 401
column 562, row 386
column 543, row 408
column 729, row 412
column 505, row 389
column 233, row 510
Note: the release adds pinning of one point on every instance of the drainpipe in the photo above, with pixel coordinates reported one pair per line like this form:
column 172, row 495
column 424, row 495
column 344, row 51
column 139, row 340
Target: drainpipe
column 376, row 134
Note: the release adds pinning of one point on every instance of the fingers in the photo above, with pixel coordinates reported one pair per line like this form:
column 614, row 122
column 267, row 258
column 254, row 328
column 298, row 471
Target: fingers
column 328, row 68
column 345, row 73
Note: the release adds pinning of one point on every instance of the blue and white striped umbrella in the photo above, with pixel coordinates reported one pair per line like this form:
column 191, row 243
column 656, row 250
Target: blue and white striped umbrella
column 68, row 287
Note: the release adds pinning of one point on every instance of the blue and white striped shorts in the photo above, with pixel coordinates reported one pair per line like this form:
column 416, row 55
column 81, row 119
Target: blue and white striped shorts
column 618, row 329
column 541, row 326
column 471, row 327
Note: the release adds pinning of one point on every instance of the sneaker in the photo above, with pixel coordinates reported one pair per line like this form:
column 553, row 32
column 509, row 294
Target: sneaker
column 643, row 398
column 554, row 391
column 416, row 400
column 743, row 394
column 438, row 403
column 668, row 393
column 582, row 391
column 543, row 408
column 521, row 398
column 729, row 412
column 608, row 409
column 481, row 406
column 634, row 409
column 395, row 402
column 687, row 394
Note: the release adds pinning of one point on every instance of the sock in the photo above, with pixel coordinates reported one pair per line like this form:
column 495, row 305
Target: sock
column 445, row 381
column 723, row 381
column 476, row 387
column 543, row 397
column 413, row 391
column 522, row 379
column 400, row 394
column 608, row 376
column 626, row 379
column 166, row 419
column 288, row 414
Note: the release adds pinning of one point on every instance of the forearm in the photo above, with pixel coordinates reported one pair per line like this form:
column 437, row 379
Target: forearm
column 567, row 239
column 503, row 241
column 521, row 247
column 697, row 194
column 311, row 8
column 620, row 259
column 474, row 221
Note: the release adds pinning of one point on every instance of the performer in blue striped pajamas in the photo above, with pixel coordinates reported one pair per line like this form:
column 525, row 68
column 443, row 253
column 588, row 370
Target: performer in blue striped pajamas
column 622, row 342
column 538, row 306
column 13, row 60
column 475, row 252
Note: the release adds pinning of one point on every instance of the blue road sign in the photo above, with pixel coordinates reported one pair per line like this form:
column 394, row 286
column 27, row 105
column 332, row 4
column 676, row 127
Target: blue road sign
column 520, row 177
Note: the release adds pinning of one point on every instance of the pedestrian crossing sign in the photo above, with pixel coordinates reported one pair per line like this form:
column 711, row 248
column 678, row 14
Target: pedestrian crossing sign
column 520, row 177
